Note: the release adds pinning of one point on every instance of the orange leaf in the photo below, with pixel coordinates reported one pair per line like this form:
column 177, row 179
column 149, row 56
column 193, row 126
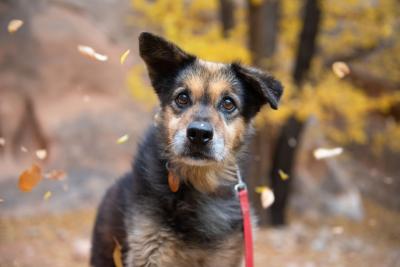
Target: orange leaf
column 173, row 182
column 30, row 178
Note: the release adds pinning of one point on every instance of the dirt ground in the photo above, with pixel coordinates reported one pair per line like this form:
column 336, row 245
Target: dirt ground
column 63, row 240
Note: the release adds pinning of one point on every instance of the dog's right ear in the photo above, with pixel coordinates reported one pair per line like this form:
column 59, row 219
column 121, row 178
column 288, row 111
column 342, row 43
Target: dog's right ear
column 163, row 58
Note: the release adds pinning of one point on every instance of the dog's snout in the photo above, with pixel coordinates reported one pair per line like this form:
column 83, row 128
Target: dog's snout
column 199, row 132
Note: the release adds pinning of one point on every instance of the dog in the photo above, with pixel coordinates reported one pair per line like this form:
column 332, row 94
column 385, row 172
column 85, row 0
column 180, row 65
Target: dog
column 178, row 207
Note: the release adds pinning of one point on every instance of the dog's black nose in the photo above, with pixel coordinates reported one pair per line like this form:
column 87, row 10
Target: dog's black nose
column 199, row 132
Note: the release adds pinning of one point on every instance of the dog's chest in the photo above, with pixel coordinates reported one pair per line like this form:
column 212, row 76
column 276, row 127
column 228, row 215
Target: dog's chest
column 153, row 245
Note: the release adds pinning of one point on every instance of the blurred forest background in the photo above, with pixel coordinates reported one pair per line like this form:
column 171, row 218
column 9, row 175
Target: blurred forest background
column 80, row 118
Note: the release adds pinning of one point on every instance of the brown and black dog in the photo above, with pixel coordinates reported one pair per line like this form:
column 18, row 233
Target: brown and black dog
column 203, row 125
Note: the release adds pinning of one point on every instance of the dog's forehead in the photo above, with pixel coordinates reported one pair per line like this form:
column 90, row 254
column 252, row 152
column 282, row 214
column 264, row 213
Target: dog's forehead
column 212, row 66
column 208, row 78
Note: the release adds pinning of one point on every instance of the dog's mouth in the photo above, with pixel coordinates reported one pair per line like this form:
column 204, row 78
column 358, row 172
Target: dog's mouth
column 197, row 158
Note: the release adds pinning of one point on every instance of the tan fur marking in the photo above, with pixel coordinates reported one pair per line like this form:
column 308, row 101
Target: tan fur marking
column 234, row 134
column 216, row 88
column 152, row 245
column 195, row 85
column 206, row 178
column 171, row 123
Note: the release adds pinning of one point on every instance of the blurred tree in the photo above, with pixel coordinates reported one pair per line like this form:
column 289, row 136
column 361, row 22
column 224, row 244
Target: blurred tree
column 263, row 21
column 263, row 24
column 194, row 25
column 286, row 146
column 363, row 33
column 227, row 15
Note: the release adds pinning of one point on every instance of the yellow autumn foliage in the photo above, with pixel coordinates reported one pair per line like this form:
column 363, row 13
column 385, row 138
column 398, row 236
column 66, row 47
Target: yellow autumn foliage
column 342, row 108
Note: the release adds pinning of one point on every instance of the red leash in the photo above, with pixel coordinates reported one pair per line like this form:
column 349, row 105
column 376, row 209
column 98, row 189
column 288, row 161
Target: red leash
column 241, row 189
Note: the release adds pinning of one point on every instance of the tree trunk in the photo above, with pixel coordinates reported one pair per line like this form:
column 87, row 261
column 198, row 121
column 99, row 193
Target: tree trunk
column 263, row 34
column 227, row 16
column 263, row 30
column 285, row 151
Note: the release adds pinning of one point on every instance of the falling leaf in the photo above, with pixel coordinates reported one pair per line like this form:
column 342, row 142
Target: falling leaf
column 322, row 153
column 47, row 195
column 259, row 189
column 284, row 176
column 124, row 56
column 30, row 178
column 2, row 141
column 14, row 25
column 56, row 175
column 117, row 255
column 341, row 69
column 41, row 154
column 24, row 149
column 91, row 53
column 267, row 196
column 122, row 139
column 173, row 182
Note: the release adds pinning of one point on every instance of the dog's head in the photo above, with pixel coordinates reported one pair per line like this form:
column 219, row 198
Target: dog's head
column 205, row 107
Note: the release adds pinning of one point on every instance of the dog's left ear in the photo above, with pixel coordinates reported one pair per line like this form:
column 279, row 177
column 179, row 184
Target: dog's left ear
column 163, row 58
column 263, row 87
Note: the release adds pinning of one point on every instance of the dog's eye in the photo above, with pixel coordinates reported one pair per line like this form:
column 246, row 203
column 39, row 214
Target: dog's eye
column 182, row 99
column 228, row 104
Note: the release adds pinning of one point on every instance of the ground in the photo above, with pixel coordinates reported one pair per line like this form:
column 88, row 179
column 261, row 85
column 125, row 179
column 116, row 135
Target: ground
column 59, row 240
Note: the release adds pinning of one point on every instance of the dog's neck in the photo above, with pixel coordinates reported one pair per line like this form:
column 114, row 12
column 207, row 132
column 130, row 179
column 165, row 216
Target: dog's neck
column 205, row 179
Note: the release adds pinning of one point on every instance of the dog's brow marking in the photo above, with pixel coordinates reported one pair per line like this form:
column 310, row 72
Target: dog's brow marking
column 216, row 88
column 195, row 85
